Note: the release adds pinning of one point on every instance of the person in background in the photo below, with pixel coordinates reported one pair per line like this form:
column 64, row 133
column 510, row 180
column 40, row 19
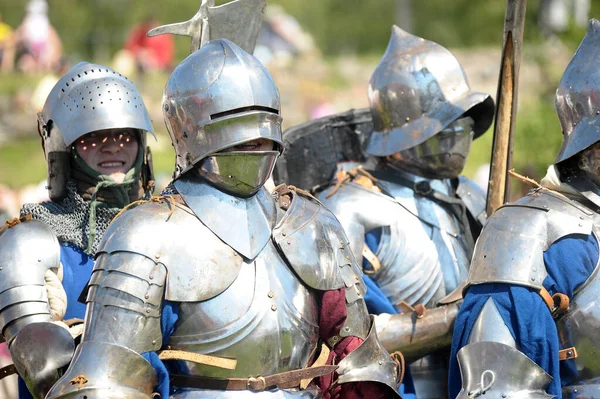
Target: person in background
column 93, row 128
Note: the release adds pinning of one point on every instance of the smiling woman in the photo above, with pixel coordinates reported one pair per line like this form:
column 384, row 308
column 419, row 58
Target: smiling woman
column 110, row 152
column 93, row 126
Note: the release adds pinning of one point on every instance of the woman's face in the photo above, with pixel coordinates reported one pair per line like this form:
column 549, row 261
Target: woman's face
column 110, row 152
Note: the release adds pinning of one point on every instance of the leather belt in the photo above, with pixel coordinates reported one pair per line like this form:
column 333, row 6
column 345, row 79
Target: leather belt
column 8, row 370
column 288, row 379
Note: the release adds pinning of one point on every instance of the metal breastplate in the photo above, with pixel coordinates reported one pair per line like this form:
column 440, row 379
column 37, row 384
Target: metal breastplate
column 579, row 328
column 423, row 251
column 267, row 320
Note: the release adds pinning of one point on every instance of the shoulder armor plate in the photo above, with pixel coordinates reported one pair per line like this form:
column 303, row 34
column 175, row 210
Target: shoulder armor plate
column 27, row 251
column 526, row 229
column 315, row 245
column 170, row 234
column 473, row 197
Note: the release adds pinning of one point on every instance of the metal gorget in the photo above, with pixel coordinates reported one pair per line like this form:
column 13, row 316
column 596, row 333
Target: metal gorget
column 244, row 224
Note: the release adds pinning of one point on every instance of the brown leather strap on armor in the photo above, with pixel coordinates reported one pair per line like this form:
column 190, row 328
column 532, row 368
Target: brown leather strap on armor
column 558, row 303
column 220, row 362
column 15, row 221
column 419, row 309
column 288, row 379
column 372, row 259
column 8, row 370
column 568, row 353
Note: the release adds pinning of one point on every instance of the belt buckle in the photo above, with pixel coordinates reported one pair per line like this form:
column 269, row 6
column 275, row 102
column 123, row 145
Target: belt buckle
column 257, row 379
column 422, row 187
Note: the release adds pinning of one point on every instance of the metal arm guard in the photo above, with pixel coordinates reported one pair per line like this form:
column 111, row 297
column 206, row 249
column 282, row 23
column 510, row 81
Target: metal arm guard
column 104, row 371
column 416, row 337
column 27, row 251
column 370, row 362
column 500, row 371
column 325, row 261
column 526, row 229
column 39, row 348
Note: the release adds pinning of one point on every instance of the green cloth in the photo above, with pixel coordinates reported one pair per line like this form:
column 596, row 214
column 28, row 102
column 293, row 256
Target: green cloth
column 119, row 191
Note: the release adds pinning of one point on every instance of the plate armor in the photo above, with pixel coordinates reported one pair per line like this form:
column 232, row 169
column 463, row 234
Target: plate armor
column 528, row 227
column 261, row 311
column 28, row 250
column 424, row 255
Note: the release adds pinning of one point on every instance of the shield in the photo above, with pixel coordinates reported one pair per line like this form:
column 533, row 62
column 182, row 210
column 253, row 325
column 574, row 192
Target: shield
column 317, row 149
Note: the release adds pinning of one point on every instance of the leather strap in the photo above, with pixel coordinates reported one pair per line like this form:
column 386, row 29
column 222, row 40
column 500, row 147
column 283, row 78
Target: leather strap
column 288, row 379
column 220, row 362
column 8, row 370
column 372, row 259
column 558, row 303
column 567, row 354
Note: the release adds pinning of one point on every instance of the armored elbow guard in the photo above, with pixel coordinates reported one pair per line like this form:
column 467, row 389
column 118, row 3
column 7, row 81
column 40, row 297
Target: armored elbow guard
column 93, row 375
column 370, row 362
column 27, row 251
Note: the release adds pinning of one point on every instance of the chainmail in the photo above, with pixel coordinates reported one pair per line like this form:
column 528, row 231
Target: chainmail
column 69, row 218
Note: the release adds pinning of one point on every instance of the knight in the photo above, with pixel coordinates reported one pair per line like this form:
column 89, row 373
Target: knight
column 218, row 288
column 409, row 215
column 529, row 323
column 93, row 127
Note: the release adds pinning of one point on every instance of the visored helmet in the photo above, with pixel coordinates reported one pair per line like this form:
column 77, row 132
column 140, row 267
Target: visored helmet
column 88, row 98
column 417, row 90
column 217, row 98
column 578, row 97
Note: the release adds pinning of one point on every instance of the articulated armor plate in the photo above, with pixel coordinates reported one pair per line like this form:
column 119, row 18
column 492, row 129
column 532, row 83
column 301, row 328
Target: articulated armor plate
column 370, row 362
column 500, row 371
column 527, row 227
column 423, row 250
column 27, row 251
column 93, row 375
column 193, row 275
column 577, row 98
column 417, row 90
column 579, row 328
column 325, row 261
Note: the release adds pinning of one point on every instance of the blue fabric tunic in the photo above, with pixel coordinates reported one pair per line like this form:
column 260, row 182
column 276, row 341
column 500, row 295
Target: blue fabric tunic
column 569, row 262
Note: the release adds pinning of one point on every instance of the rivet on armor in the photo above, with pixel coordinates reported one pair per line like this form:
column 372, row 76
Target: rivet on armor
column 569, row 353
column 535, row 269
column 1, row 268
column 289, row 243
column 407, row 119
column 581, row 217
column 154, row 342
column 157, row 256
column 147, row 310
column 146, row 296
column 273, row 307
column 283, row 234
column 533, row 279
column 151, row 277
column 580, row 224
column 39, row 260
column 271, row 294
column 380, row 362
column 504, row 395
column 335, row 339
column 347, row 329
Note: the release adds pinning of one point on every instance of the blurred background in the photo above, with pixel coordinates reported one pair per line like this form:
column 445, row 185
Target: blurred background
column 320, row 52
